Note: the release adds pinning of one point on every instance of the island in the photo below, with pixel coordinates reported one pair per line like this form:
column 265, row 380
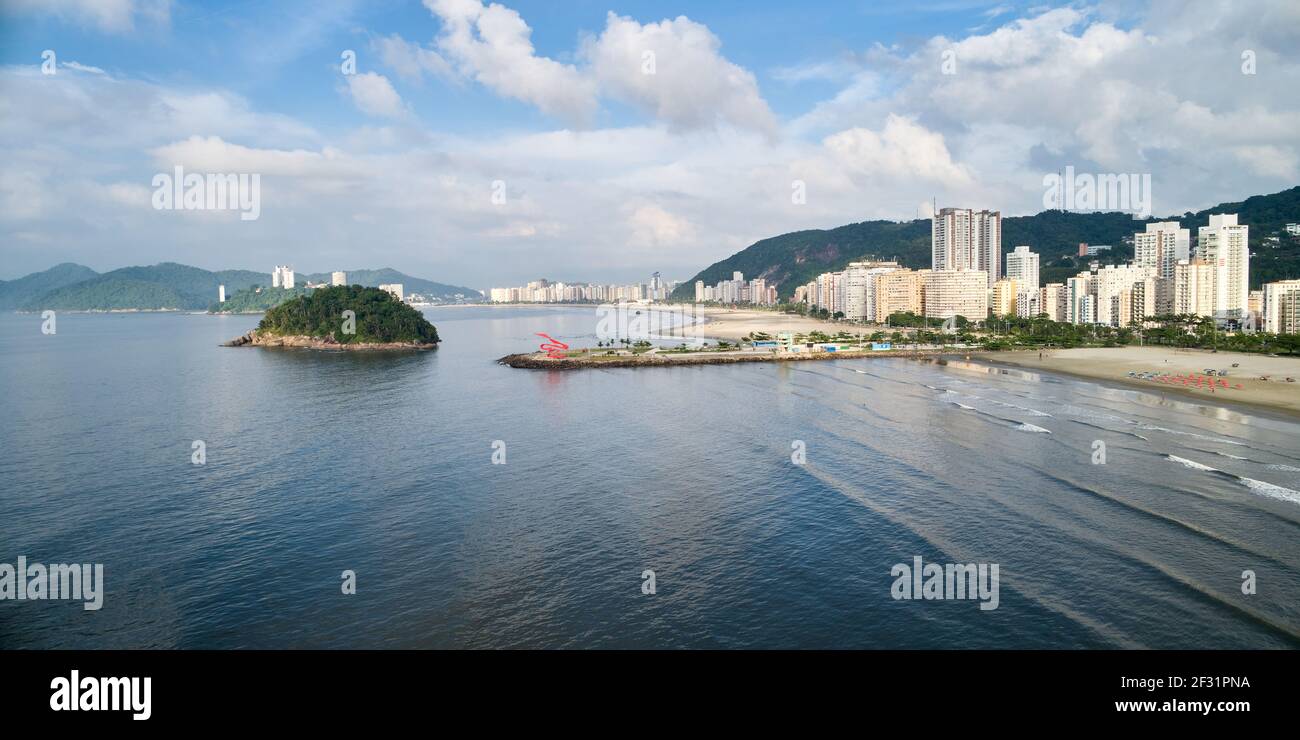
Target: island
column 344, row 317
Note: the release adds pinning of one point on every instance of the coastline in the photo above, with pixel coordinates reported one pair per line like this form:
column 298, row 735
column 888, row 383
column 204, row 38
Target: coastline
column 1110, row 366
column 540, row 361
column 254, row 339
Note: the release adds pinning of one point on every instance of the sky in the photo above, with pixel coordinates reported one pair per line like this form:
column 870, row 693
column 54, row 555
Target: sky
column 491, row 144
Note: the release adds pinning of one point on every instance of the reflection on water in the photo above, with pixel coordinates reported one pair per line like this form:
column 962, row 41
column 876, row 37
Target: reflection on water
column 382, row 464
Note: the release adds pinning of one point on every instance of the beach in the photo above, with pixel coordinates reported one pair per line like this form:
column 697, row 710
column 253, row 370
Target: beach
column 1115, row 363
column 732, row 323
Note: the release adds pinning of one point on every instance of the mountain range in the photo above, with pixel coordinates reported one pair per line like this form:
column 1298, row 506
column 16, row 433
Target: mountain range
column 168, row 285
column 790, row 260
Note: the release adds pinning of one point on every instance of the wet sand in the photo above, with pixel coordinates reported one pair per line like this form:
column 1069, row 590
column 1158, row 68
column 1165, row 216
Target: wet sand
column 1114, row 364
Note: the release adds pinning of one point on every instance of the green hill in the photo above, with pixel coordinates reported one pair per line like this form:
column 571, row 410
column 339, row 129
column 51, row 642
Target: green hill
column 18, row 293
column 106, row 293
column 256, row 299
column 790, row 260
column 379, row 317
column 70, row 287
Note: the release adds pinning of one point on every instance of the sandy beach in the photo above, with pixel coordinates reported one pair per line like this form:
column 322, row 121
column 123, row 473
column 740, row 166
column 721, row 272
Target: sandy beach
column 1114, row 364
column 731, row 324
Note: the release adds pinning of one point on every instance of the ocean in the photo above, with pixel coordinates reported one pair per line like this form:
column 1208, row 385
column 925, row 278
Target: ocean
column 769, row 505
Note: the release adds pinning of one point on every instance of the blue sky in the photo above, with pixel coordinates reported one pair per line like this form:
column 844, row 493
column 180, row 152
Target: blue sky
column 611, row 173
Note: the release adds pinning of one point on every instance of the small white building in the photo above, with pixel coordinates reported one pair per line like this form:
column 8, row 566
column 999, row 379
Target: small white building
column 395, row 289
column 282, row 277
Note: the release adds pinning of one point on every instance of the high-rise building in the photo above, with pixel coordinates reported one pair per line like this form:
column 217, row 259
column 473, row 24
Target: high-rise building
column 395, row 289
column 338, row 278
column 1112, row 286
column 282, row 277
column 860, row 288
column 1193, row 288
column 1080, row 303
column 221, row 294
column 1162, row 246
column 1052, row 301
column 946, row 293
column 1223, row 244
column 1281, row 307
column 1004, row 297
column 965, row 239
column 1022, row 267
column 897, row 291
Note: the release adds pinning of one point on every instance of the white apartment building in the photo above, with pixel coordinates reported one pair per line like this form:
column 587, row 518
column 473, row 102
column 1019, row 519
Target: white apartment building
column 1224, row 245
column 1281, row 307
column 282, row 277
column 965, row 239
column 1080, row 303
column 1022, row 267
column 1193, row 288
column 395, row 289
column 1112, row 286
column 1162, row 246
column 860, row 288
column 946, row 293
column 338, row 278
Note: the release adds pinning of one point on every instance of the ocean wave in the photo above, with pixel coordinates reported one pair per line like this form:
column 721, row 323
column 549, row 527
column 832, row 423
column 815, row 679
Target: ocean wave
column 1220, row 440
column 1192, row 464
column 1271, row 490
column 1032, row 428
column 1283, row 468
column 1264, row 488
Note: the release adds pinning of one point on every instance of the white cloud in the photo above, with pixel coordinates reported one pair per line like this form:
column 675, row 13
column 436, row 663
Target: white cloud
column 374, row 95
column 79, row 67
column 111, row 16
column 492, row 45
column 412, row 61
column 674, row 70
column 902, row 149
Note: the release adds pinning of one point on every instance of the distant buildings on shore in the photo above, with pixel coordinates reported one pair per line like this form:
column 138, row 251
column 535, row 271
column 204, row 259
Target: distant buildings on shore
column 736, row 290
column 282, row 277
column 546, row 291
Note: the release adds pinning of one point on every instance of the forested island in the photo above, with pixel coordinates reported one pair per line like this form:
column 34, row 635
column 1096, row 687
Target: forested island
column 342, row 317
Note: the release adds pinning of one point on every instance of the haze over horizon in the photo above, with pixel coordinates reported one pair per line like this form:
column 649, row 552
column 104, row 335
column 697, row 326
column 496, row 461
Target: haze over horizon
column 609, row 172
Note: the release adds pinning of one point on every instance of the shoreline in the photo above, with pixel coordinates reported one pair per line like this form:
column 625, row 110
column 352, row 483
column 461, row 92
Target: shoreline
column 253, row 339
column 540, row 361
column 1274, row 396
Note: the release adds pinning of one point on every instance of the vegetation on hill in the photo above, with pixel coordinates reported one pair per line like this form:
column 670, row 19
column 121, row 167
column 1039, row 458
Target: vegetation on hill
column 790, row 260
column 256, row 299
column 170, row 285
column 18, row 293
column 71, row 287
column 380, row 318
column 106, row 293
